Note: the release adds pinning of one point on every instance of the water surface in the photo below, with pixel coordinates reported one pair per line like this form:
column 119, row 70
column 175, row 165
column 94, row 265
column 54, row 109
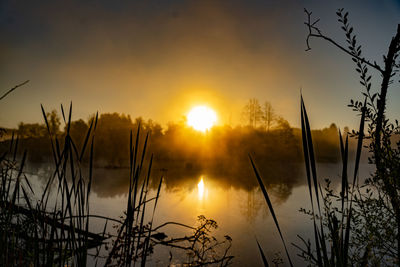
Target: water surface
column 237, row 205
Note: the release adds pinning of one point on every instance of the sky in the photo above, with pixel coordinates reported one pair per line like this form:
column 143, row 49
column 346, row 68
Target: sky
column 157, row 59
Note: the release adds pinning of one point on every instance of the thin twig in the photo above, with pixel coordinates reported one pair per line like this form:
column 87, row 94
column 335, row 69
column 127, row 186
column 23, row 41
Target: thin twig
column 175, row 223
column 12, row 89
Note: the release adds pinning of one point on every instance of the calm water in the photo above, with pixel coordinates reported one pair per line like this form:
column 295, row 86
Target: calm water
column 241, row 212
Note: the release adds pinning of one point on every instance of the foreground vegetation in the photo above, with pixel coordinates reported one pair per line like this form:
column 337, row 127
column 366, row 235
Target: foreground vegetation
column 359, row 224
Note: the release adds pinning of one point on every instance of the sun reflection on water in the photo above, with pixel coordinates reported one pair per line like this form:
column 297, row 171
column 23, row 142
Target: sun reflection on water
column 200, row 188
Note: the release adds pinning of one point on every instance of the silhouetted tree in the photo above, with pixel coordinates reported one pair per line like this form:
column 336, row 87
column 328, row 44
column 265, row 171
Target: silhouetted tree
column 268, row 116
column 252, row 112
column 31, row 130
column 112, row 135
column 78, row 130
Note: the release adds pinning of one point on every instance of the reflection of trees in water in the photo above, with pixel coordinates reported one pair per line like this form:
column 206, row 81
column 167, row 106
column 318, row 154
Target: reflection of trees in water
column 238, row 176
column 255, row 202
column 280, row 178
column 281, row 192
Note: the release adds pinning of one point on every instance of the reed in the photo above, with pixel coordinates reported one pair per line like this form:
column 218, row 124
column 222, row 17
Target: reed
column 55, row 229
column 331, row 224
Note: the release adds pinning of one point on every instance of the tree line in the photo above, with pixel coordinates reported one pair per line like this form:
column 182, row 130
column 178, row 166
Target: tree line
column 257, row 115
column 179, row 148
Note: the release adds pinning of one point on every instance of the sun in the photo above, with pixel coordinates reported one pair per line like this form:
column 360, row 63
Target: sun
column 201, row 118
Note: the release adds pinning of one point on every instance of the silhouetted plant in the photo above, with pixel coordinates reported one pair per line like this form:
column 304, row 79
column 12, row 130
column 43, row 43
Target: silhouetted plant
column 12, row 89
column 202, row 248
column 380, row 193
column 360, row 225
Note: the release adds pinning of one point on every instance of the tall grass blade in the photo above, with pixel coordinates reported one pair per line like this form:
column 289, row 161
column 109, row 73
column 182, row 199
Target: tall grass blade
column 264, row 259
column 263, row 189
column 86, row 141
column 306, row 156
column 360, row 141
column 344, row 192
column 49, row 131
column 144, row 150
column 345, row 156
column 310, row 148
column 63, row 113
column 158, row 194
column 95, row 120
column 69, row 118
column 309, row 159
column 356, row 166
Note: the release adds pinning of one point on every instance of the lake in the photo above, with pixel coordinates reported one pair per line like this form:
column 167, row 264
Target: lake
column 241, row 212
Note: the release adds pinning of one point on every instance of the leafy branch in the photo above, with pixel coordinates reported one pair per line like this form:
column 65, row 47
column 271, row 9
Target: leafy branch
column 314, row 31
